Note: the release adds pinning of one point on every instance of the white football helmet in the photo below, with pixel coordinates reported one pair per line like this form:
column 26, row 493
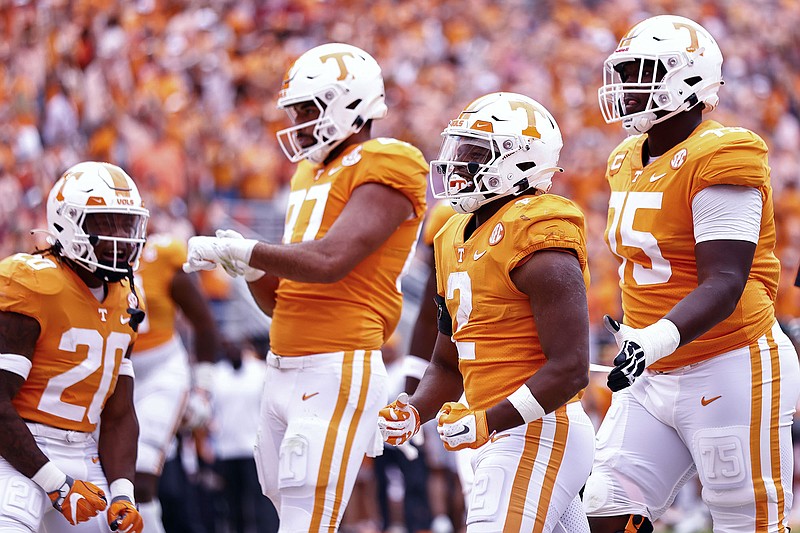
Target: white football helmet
column 346, row 85
column 501, row 144
column 97, row 207
column 677, row 47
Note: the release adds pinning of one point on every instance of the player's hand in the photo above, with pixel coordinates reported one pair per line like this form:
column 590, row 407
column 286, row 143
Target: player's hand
column 249, row 273
column 398, row 421
column 124, row 517
column 78, row 500
column 205, row 253
column 198, row 411
column 460, row 427
column 630, row 362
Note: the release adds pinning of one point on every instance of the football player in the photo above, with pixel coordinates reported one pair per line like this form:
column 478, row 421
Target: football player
column 332, row 286
column 513, row 321
column 68, row 319
column 706, row 380
column 162, row 366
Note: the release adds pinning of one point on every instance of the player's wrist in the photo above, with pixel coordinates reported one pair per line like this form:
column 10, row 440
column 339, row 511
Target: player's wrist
column 49, row 477
column 414, row 366
column 526, row 404
column 242, row 249
column 204, row 373
column 122, row 488
column 659, row 340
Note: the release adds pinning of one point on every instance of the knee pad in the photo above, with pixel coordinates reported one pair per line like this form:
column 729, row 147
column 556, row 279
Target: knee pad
column 483, row 498
column 596, row 493
column 723, row 466
column 294, row 461
column 21, row 505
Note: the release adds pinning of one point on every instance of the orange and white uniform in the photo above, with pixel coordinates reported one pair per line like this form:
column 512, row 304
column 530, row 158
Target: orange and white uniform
column 163, row 374
column 76, row 363
column 326, row 379
column 527, row 477
column 722, row 404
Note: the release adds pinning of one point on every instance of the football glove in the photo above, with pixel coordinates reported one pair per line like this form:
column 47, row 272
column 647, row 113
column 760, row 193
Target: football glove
column 398, row 421
column 460, row 427
column 78, row 500
column 205, row 253
column 249, row 273
column 124, row 517
column 638, row 349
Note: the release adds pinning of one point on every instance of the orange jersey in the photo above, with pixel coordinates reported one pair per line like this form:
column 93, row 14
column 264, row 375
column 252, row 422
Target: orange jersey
column 161, row 258
column 650, row 229
column 493, row 325
column 436, row 218
column 362, row 309
column 81, row 344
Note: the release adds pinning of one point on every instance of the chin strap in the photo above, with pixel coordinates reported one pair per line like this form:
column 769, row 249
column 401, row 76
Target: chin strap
column 137, row 315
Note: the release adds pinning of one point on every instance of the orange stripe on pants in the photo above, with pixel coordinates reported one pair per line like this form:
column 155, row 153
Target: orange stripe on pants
column 774, row 424
column 759, row 488
column 553, row 466
column 519, row 491
column 330, row 442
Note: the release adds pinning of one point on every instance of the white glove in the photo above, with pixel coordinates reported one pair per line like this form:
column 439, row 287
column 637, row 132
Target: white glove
column 205, row 253
column 250, row 273
column 398, row 421
column 639, row 348
column 198, row 410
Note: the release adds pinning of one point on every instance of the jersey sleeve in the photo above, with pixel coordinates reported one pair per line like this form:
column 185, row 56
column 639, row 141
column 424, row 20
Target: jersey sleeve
column 741, row 160
column 558, row 224
column 22, row 285
column 398, row 165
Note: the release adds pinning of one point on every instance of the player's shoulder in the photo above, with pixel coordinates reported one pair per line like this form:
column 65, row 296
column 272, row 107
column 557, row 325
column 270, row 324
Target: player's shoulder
column 437, row 217
column 628, row 144
column 380, row 147
column 37, row 274
column 712, row 137
column 543, row 207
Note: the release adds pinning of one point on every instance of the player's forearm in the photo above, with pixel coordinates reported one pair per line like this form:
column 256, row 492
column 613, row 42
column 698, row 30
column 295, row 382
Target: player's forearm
column 310, row 262
column 117, row 446
column 440, row 384
column 706, row 306
column 17, row 445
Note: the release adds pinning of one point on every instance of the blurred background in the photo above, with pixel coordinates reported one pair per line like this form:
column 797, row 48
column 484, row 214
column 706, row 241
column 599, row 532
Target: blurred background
column 181, row 94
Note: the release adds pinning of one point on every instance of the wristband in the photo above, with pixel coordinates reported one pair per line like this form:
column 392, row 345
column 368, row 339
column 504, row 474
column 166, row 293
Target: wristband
column 204, row 375
column 414, row 366
column 659, row 340
column 524, row 402
column 122, row 488
column 242, row 249
column 16, row 364
column 49, row 477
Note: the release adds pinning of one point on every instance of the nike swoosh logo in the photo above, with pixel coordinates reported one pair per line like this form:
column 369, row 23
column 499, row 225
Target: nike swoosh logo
column 307, row 396
column 477, row 255
column 496, row 438
column 73, row 505
column 706, row 402
column 464, row 431
column 656, row 177
column 123, row 320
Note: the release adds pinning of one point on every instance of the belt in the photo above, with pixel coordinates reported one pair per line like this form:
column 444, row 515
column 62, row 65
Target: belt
column 67, row 435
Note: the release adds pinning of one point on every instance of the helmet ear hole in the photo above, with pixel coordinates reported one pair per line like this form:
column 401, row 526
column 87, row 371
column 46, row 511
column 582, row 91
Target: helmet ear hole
column 525, row 166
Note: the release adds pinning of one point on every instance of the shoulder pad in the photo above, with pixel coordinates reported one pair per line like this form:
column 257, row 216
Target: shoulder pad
column 34, row 273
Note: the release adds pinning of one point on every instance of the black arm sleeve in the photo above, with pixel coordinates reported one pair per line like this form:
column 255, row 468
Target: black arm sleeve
column 445, row 322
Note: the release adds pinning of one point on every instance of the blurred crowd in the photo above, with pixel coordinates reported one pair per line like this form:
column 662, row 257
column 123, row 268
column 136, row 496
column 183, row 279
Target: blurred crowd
column 181, row 93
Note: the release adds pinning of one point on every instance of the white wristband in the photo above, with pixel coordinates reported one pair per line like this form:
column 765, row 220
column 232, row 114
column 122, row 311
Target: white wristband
column 49, row 477
column 523, row 401
column 17, row 364
column 659, row 340
column 242, row 249
column 204, row 375
column 414, row 366
column 121, row 488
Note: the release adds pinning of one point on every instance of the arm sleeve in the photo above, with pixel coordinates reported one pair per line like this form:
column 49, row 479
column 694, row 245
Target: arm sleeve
column 727, row 212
